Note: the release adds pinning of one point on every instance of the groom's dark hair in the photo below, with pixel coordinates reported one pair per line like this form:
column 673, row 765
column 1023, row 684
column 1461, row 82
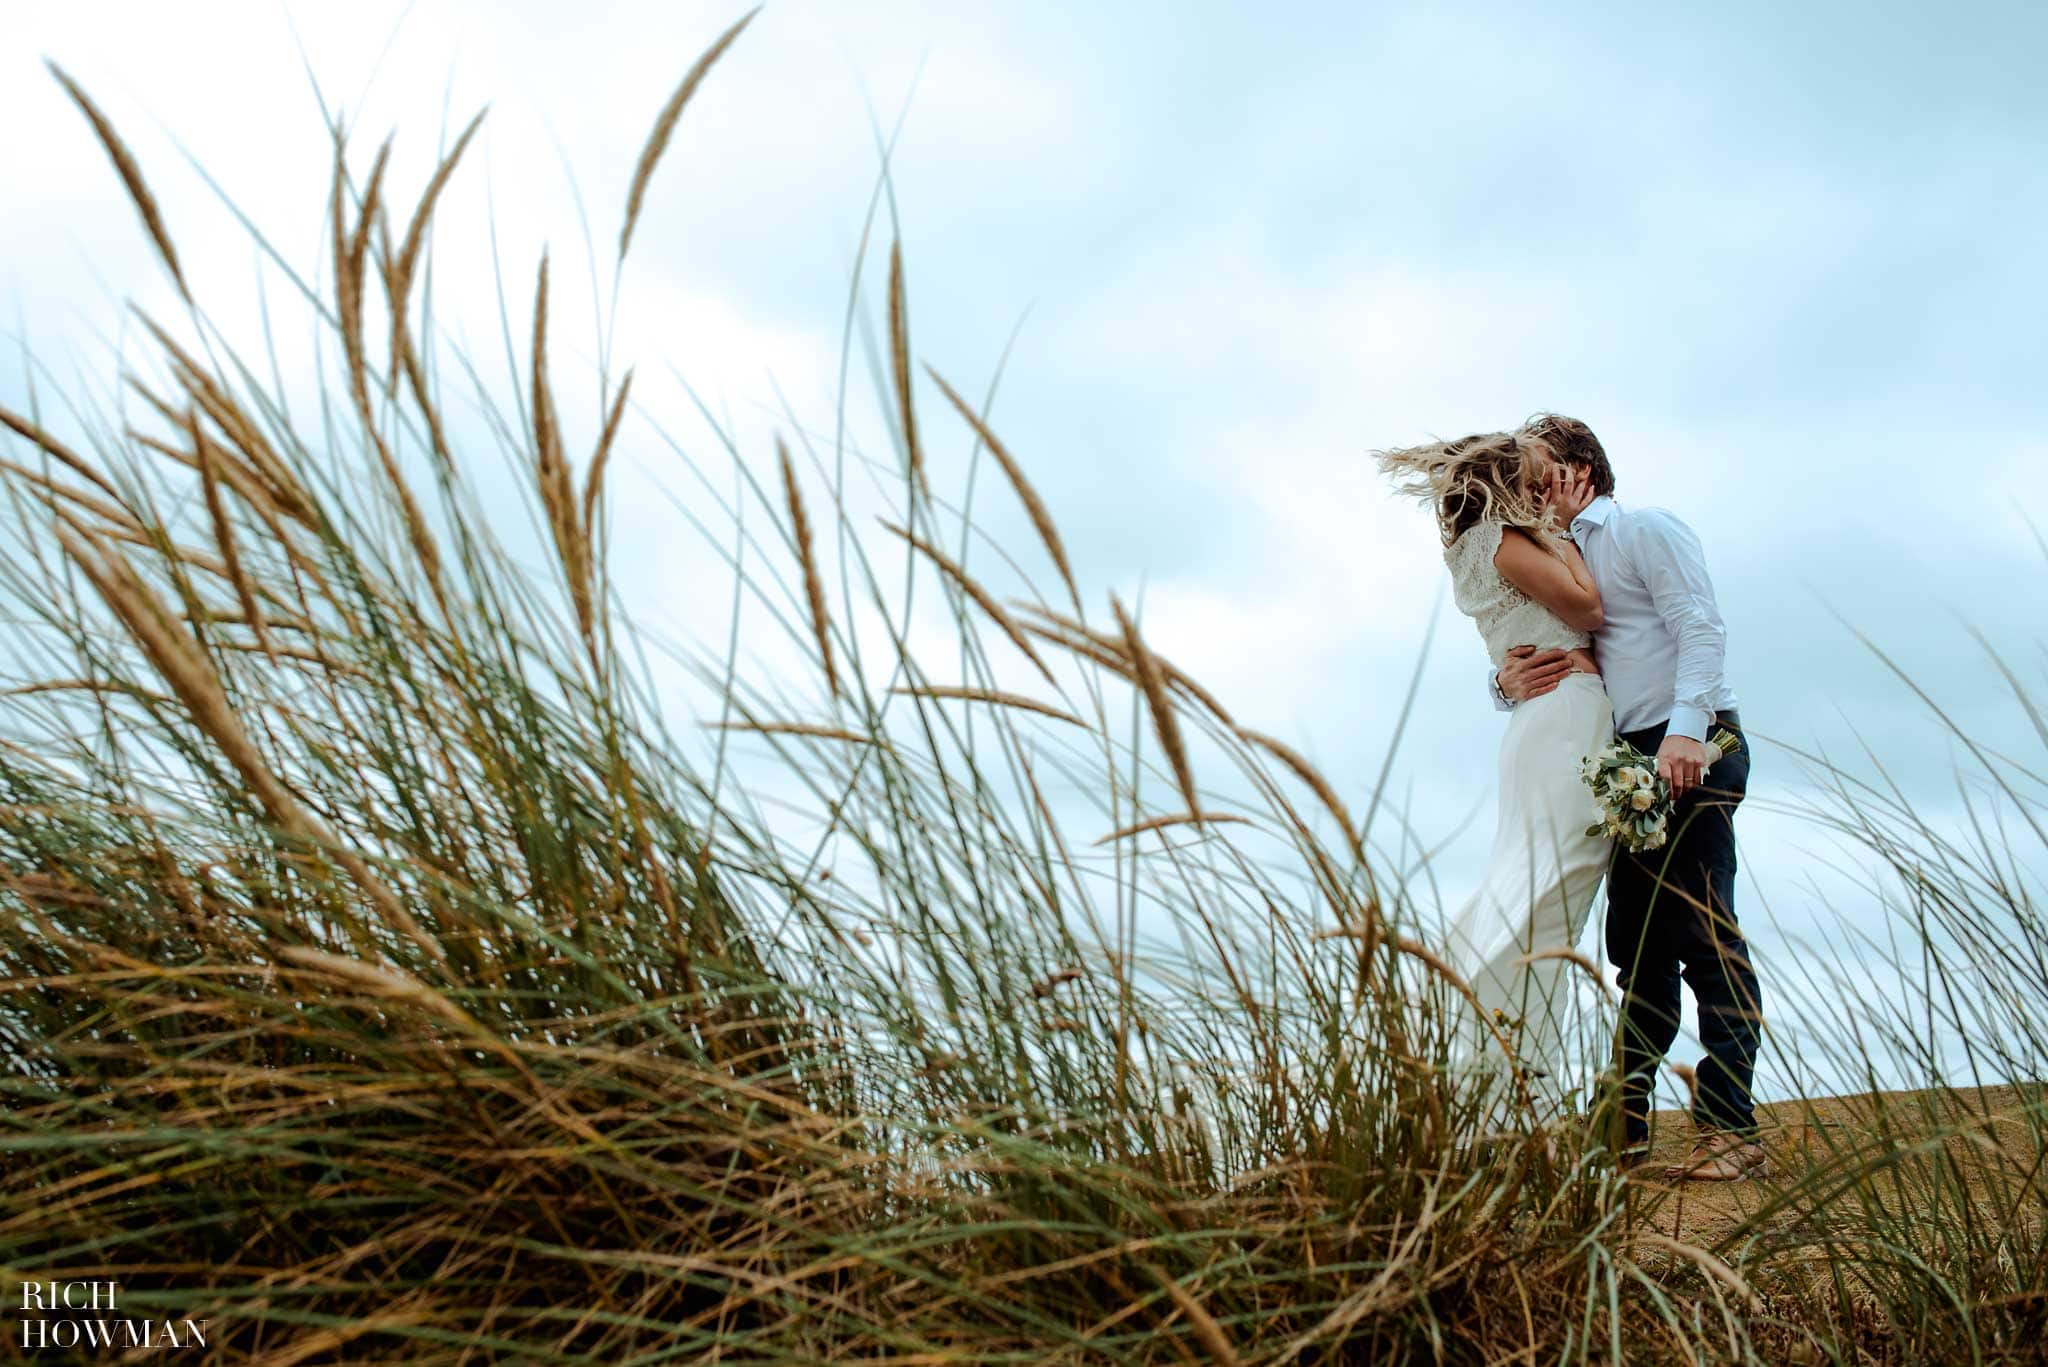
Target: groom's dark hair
column 1574, row 444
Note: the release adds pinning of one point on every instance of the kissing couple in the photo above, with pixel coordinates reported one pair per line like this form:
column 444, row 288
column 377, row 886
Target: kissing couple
column 1601, row 623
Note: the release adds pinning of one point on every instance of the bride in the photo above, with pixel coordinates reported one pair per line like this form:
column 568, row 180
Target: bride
column 1518, row 576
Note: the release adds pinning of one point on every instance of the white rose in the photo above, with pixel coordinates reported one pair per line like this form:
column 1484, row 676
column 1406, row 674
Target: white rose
column 1641, row 799
column 1645, row 778
column 1626, row 776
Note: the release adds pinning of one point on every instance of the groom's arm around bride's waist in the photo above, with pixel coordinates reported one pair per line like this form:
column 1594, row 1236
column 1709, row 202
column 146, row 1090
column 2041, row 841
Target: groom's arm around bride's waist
column 1527, row 673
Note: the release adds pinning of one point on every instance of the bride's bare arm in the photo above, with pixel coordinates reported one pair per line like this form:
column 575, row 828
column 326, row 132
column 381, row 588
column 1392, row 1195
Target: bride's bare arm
column 1559, row 581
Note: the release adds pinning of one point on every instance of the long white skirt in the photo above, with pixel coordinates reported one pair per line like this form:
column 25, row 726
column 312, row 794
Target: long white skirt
column 1537, row 893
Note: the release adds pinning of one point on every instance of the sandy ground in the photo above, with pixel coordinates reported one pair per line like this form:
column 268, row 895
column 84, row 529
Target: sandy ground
column 1986, row 1141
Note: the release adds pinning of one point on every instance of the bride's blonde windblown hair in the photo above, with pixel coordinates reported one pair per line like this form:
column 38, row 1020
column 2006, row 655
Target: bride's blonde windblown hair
column 1493, row 476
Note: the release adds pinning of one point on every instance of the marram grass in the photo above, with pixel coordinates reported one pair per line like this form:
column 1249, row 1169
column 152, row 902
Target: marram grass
column 381, row 981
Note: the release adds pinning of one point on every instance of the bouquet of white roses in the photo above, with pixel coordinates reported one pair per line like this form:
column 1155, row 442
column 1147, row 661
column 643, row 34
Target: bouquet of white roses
column 1633, row 802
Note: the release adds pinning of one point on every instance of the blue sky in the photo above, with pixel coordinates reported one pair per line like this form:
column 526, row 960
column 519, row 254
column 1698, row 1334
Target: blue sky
column 1784, row 259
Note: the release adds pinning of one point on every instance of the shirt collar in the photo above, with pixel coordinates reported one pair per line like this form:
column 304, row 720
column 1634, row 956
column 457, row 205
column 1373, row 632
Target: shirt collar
column 1597, row 512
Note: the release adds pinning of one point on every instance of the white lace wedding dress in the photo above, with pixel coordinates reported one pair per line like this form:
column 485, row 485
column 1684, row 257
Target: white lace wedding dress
column 1545, row 870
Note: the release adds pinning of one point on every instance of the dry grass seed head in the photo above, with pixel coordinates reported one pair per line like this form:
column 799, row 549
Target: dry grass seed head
column 806, row 552
column 1083, row 644
column 551, row 470
column 242, row 434
column 224, row 533
column 1034, row 507
column 981, row 596
column 351, row 250
column 1176, row 819
column 795, row 728
column 178, row 658
column 990, row 695
column 350, row 246
column 398, row 278
column 593, row 483
column 899, row 365
column 416, row 232
column 256, row 495
column 60, row 453
column 1108, row 650
column 1152, row 683
column 49, row 491
column 665, row 126
column 1310, row 776
column 130, row 173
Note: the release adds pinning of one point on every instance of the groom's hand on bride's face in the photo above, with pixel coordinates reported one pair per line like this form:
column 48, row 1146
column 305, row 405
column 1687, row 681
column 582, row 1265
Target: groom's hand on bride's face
column 1680, row 761
column 1530, row 673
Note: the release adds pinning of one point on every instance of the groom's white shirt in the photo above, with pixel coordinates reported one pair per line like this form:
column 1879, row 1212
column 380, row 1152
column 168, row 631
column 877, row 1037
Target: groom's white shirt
column 1663, row 647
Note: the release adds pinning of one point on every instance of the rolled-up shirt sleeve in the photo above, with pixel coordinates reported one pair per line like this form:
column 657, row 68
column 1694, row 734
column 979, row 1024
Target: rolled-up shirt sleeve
column 1668, row 556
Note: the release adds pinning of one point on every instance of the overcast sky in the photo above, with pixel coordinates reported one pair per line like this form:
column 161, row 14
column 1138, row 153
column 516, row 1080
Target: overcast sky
column 1785, row 260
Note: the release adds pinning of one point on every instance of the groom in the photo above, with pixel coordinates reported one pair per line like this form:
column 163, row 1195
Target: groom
column 1670, row 912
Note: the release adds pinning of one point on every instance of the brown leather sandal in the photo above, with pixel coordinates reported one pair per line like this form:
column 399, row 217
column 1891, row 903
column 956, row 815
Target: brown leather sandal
column 1722, row 1158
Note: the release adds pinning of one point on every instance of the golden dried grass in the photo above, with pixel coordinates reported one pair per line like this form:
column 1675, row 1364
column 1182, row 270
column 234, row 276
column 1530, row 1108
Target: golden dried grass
column 224, row 533
column 665, row 126
column 243, row 435
column 255, row 494
column 899, row 367
column 49, row 490
column 551, row 473
column 1309, row 775
column 351, row 248
column 1107, row 650
column 351, row 254
column 130, row 172
column 178, row 658
column 807, row 558
column 795, row 728
column 407, row 262
column 1714, row 1267
column 1577, row 960
column 59, row 452
column 992, row 696
column 398, row 275
column 1155, row 823
column 981, row 597
column 1151, row 682
column 1034, row 506
column 1207, row 1331
column 593, row 483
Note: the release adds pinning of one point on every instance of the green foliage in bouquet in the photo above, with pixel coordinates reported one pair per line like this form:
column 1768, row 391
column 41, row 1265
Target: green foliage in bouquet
column 1632, row 798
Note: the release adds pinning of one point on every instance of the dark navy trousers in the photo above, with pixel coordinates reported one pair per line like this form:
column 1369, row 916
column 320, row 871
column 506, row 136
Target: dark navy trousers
column 1671, row 918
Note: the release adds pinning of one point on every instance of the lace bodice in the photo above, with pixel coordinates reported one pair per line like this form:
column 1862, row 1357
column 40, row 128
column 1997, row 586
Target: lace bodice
column 1506, row 616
